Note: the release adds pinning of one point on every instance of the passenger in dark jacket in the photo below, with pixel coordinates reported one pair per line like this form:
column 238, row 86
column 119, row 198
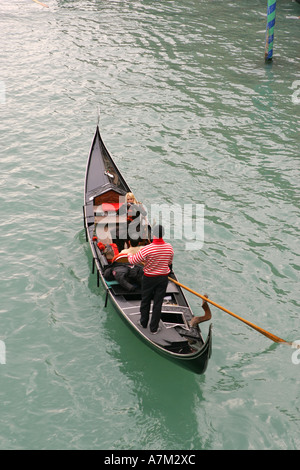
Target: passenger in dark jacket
column 127, row 275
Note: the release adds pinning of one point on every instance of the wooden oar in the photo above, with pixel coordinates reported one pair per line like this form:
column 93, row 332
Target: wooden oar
column 40, row 3
column 274, row 338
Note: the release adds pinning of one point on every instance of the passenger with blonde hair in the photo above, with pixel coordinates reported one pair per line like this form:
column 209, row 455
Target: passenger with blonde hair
column 134, row 211
column 134, row 208
column 130, row 198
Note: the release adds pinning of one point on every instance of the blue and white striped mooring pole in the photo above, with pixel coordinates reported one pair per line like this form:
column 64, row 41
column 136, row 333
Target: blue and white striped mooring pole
column 271, row 14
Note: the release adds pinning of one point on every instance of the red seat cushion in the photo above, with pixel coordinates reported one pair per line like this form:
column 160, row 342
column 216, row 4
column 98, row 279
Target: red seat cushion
column 111, row 206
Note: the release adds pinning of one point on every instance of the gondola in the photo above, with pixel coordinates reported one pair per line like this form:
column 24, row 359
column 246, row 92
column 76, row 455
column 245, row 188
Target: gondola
column 104, row 191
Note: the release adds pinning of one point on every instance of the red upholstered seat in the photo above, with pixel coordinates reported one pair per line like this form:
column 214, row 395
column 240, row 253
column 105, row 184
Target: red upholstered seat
column 111, row 206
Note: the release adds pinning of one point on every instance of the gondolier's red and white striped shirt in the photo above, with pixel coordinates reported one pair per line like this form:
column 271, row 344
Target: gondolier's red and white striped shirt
column 157, row 257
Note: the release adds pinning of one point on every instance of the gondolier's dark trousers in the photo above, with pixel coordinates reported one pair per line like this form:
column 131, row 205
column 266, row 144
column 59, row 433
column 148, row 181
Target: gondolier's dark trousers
column 153, row 288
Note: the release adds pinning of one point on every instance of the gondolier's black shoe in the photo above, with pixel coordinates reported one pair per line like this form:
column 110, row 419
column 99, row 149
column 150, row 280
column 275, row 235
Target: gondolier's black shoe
column 139, row 322
column 156, row 331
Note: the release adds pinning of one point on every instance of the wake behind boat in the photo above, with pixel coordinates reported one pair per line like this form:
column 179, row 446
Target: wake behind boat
column 104, row 196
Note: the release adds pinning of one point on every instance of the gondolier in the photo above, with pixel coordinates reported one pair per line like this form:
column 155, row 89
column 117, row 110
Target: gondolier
column 157, row 258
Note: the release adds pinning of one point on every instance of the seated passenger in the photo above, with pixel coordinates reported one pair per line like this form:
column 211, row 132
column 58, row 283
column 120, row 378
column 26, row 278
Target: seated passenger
column 104, row 234
column 134, row 208
column 196, row 320
column 136, row 214
column 128, row 276
column 133, row 248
